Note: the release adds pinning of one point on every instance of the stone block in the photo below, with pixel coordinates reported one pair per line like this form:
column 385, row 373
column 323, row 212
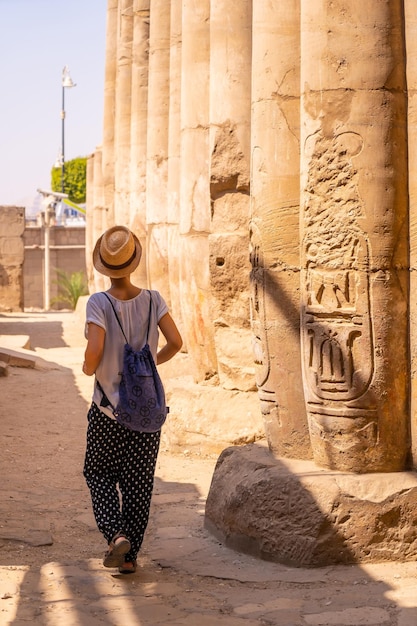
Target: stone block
column 205, row 419
column 12, row 222
column 4, row 371
column 17, row 358
column 236, row 366
column 229, row 271
column 296, row 513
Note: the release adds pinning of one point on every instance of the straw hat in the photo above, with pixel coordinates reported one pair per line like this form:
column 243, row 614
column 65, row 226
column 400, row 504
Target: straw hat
column 117, row 252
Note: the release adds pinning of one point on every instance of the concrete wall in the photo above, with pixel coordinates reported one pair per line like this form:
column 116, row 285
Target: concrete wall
column 67, row 253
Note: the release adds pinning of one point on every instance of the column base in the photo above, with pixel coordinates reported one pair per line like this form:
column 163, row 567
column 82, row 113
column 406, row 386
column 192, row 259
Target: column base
column 296, row 513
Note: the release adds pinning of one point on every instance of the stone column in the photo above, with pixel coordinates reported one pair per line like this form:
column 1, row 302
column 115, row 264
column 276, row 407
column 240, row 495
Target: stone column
column 275, row 277
column 89, row 225
column 195, row 190
column 108, row 109
column 411, row 53
column 100, row 221
column 123, row 113
column 157, row 146
column 174, row 143
column 354, row 282
column 230, row 108
column 138, row 129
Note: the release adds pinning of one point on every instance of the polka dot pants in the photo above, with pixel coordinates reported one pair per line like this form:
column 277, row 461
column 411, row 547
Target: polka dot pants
column 120, row 460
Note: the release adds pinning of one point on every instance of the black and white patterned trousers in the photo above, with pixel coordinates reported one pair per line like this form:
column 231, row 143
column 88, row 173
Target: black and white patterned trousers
column 120, row 460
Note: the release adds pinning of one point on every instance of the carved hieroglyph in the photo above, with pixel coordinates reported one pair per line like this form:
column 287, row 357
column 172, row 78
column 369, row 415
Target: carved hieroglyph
column 353, row 246
column 336, row 324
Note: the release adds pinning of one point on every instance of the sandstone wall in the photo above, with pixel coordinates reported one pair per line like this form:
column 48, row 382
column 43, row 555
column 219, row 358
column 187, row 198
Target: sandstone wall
column 283, row 128
column 12, row 225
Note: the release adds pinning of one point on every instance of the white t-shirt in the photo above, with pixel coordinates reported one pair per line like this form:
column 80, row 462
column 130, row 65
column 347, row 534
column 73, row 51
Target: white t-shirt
column 133, row 315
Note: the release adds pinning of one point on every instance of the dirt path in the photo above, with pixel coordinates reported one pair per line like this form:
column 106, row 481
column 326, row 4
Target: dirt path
column 50, row 549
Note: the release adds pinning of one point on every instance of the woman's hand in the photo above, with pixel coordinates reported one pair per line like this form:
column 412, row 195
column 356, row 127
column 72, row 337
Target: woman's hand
column 173, row 339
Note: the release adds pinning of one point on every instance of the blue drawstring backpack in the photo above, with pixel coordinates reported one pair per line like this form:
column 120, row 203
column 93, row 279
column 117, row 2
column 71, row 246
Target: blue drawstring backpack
column 141, row 405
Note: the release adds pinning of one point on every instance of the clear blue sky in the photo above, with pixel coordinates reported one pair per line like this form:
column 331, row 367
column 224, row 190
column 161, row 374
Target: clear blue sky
column 37, row 39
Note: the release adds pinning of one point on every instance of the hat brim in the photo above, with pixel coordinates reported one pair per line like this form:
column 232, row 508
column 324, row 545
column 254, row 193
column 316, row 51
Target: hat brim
column 116, row 273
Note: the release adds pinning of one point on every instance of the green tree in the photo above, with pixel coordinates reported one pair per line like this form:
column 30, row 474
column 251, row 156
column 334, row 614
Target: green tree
column 75, row 179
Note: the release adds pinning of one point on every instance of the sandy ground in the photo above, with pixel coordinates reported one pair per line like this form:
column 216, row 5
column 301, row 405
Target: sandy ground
column 50, row 550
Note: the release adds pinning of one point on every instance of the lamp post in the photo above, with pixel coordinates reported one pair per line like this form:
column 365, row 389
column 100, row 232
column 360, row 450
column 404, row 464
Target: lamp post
column 67, row 83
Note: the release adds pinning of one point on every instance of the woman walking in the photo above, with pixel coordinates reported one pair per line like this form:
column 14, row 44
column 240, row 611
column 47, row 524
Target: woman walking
column 120, row 460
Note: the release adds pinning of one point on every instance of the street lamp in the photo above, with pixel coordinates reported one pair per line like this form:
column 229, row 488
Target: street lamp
column 67, row 83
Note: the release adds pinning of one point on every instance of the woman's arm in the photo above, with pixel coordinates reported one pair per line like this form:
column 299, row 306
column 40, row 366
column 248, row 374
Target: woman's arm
column 172, row 337
column 94, row 350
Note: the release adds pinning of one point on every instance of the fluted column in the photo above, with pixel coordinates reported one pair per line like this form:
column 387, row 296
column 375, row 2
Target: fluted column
column 100, row 221
column 139, row 124
column 89, row 219
column 157, row 146
column 230, row 108
column 411, row 54
column 174, row 143
column 195, row 188
column 109, row 107
column 354, row 239
column 275, row 276
column 123, row 113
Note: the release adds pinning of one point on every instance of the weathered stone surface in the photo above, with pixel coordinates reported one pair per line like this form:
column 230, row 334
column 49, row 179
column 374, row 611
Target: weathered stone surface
column 354, row 247
column 18, row 358
column 234, row 363
column 96, row 221
column 411, row 73
column 157, row 147
column 229, row 175
column 296, row 513
column 275, row 225
column 195, row 304
column 92, row 190
column 138, row 130
column 204, row 419
column 108, row 150
column 4, row 371
column 122, row 112
column 194, row 190
column 12, row 224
